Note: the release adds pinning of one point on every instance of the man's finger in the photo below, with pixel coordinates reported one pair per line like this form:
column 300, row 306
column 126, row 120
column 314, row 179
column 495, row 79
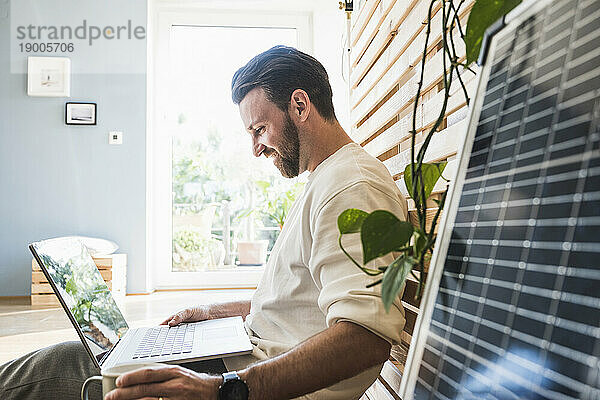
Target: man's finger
column 147, row 375
column 181, row 316
column 176, row 320
column 170, row 320
column 145, row 390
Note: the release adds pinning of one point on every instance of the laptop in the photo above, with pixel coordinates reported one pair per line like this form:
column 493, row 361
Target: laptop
column 104, row 331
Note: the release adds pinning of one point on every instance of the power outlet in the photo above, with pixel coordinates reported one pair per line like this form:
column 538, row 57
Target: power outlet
column 115, row 137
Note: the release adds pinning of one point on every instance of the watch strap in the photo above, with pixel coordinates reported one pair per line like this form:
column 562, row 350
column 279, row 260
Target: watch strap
column 230, row 376
column 229, row 379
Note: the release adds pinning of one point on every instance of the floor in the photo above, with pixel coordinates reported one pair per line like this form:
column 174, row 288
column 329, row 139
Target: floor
column 24, row 328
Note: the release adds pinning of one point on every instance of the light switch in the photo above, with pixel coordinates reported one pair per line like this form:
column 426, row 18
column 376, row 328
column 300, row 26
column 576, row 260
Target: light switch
column 115, row 137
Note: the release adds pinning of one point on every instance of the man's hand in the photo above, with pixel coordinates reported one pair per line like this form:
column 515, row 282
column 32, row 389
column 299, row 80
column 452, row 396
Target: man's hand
column 210, row 311
column 192, row 314
column 170, row 382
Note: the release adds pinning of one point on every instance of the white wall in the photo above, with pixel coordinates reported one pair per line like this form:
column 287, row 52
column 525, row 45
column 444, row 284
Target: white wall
column 329, row 32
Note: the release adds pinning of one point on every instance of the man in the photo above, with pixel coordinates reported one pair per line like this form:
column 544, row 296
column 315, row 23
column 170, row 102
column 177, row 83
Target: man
column 317, row 331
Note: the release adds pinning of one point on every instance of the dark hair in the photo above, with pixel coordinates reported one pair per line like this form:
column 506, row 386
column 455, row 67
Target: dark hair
column 281, row 70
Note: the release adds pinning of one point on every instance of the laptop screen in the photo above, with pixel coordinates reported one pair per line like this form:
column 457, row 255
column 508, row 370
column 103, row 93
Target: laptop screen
column 82, row 288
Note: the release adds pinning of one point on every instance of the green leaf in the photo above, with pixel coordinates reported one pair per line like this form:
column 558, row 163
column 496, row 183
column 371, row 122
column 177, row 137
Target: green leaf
column 420, row 241
column 483, row 14
column 381, row 233
column 431, row 173
column 263, row 185
column 351, row 220
column 71, row 287
column 246, row 213
column 394, row 278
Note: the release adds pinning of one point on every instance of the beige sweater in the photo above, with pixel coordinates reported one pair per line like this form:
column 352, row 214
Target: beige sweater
column 309, row 284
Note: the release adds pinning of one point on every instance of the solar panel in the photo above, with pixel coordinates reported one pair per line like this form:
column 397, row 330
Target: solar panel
column 512, row 309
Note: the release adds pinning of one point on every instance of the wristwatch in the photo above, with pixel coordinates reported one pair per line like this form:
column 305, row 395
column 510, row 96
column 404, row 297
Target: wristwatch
column 233, row 387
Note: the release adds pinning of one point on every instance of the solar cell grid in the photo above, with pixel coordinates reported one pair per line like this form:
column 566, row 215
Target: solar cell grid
column 517, row 310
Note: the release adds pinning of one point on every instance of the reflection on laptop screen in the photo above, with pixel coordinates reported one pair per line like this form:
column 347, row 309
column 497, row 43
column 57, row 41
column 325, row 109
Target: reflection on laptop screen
column 81, row 286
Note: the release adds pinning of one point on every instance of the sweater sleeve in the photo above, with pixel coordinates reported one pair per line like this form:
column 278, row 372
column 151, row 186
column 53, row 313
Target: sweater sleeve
column 343, row 293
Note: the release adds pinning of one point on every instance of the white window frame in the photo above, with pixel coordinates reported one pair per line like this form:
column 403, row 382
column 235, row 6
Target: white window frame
column 162, row 16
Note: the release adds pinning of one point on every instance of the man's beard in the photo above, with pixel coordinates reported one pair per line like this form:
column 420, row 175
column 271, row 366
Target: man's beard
column 287, row 159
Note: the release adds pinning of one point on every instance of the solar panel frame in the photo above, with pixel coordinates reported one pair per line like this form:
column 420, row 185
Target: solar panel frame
column 531, row 154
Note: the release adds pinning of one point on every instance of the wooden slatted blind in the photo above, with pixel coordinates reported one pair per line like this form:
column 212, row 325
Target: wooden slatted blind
column 387, row 40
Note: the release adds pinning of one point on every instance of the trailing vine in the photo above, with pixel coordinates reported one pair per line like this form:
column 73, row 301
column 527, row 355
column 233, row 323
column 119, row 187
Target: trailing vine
column 382, row 232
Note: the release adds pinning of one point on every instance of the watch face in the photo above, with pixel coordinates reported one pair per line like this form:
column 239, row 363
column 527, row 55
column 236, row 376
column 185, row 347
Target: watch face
column 235, row 389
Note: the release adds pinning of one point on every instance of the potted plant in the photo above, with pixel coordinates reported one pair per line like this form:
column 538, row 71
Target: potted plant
column 381, row 232
column 275, row 203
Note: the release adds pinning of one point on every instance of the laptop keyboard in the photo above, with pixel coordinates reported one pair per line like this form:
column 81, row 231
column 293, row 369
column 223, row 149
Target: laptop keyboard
column 164, row 341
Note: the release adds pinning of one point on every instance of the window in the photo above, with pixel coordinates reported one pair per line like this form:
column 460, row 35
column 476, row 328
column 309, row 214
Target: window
column 225, row 204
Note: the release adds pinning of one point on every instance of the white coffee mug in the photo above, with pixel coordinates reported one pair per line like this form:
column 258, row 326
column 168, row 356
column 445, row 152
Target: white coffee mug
column 110, row 375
